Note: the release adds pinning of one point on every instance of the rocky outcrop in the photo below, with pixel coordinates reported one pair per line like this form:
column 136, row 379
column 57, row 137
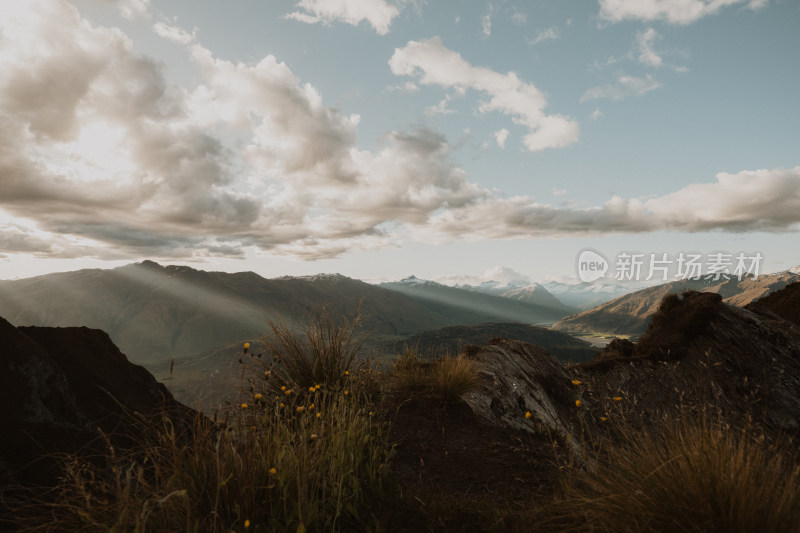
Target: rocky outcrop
column 67, row 390
column 698, row 355
column 519, row 377
column 701, row 354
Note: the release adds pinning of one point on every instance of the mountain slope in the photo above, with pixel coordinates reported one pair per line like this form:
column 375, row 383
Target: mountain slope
column 156, row 312
column 629, row 314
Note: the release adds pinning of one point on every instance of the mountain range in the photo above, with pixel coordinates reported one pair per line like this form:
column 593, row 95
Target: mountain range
column 156, row 313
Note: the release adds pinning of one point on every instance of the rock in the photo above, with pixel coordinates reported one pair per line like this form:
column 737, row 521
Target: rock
column 61, row 390
column 519, row 377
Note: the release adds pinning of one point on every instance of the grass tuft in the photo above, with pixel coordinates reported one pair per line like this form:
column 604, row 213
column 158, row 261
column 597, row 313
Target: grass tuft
column 687, row 476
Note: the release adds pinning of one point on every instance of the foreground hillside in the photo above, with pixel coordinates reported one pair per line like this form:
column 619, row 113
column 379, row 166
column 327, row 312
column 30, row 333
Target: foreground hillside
column 629, row 314
column 695, row 427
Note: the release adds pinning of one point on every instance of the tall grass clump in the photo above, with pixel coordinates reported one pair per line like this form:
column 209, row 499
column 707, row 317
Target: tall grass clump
column 687, row 476
column 447, row 378
column 454, row 376
column 324, row 354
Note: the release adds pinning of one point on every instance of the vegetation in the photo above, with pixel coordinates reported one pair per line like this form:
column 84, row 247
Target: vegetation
column 309, row 448
column 690, row 474
column 447, row 378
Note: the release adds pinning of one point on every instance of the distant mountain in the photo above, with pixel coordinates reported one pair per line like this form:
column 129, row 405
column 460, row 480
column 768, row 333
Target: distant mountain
column 587, row 295
column 453, row 339
column 532, row 293
column 629, row 314
column 155, row 313
column 444, row 299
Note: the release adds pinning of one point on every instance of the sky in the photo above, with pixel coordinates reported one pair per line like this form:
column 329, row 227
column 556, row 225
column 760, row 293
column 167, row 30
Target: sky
column 453, row 140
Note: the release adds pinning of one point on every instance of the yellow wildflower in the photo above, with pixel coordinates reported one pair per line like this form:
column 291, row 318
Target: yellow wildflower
column 346, row 372
column 257, row 396
column 576, row 382
column 313, row 436
column 287, row 392
column 528, row 414
column 318, row 415
column 244, row 406
column 282, row 405
column 246, row 346
column 272, row 471
column 617, row 398
column 317, row 387
column 283, row 387
column 311, row 389
column 578, row 403
column 246, row 524
column 311, row 407
column 300, row 408
column 267, row 373
column 603, row 419
column 346, row 392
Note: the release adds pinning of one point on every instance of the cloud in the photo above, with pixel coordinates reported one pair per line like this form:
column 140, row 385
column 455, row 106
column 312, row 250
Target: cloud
column 624, row 87
column 547, row 34
column 518, row 18
column 754, row 200
column 131, row 9
column 673, row 11
column 378, row 13
column 644, row 44
column 500, row 136
column 596, row 114
column 119, row 163
column 434, row 64
column 173, row 33
column 760, row 200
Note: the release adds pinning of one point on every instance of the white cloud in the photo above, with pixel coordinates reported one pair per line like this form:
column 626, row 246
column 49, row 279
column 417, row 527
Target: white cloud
column 558, row 192
column 673, row 11
column 440, row 108
column 131, row 9
column 624, row 87
column 486, row 25
column 644, row 44
column 378, row 13
column 519, row 18
column 547, row 34
column 173, row 33
column 434, row 64
column 596, row 114
column 500, row 136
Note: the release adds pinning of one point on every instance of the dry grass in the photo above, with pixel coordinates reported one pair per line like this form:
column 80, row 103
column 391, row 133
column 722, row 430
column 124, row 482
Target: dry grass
column 324, row 354
column 689, row 475
column 453, row 377
column 447, row 378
